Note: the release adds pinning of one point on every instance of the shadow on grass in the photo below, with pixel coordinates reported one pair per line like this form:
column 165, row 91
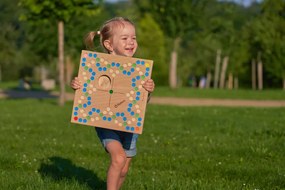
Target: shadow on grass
column 63, row 169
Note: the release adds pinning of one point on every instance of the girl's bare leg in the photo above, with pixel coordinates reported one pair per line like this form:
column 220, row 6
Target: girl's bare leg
column 124, row 172
column 118, row 162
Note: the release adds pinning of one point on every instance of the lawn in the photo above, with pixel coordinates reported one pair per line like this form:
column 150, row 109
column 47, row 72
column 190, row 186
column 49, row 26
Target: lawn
column 180, row 148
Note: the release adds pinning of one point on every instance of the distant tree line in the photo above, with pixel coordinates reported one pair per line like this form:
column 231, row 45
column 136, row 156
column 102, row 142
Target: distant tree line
column 232, row 46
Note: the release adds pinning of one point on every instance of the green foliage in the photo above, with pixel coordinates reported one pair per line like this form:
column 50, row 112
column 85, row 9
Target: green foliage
column 152, row 46
column 266, row 35
column 64, row 10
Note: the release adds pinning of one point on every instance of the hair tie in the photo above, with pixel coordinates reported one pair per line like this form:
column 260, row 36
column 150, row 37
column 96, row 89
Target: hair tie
column 98, row 32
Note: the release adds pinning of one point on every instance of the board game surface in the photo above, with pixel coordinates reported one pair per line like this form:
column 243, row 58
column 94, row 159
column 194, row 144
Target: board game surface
column 112, row 95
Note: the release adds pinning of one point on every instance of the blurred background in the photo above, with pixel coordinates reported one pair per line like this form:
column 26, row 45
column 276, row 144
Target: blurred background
column 198, row 44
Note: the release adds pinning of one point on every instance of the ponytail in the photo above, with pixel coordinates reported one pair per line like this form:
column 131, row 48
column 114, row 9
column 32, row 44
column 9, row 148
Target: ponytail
column 89, row 39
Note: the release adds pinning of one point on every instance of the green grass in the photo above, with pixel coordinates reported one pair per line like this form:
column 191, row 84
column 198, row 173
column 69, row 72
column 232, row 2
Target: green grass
column 248, row 94
column 181, row 148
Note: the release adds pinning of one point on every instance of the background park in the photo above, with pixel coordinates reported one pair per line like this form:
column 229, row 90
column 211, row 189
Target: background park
column 204, row 51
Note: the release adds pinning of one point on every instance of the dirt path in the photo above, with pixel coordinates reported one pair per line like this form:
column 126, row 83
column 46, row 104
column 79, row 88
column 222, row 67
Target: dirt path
column 157, row 100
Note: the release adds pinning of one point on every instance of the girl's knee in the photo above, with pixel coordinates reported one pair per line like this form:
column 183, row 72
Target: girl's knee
column 119, row 160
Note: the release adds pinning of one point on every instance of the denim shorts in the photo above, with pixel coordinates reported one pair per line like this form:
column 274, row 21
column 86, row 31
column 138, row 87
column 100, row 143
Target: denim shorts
column 128, row 140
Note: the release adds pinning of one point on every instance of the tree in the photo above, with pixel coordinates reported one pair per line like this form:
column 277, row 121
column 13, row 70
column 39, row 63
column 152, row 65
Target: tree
column 149, row 31
column 57, row 11
column 266, row 35
column 175, row 18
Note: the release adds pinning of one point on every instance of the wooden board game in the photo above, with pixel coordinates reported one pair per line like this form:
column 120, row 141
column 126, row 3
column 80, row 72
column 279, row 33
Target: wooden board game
column 112, row 95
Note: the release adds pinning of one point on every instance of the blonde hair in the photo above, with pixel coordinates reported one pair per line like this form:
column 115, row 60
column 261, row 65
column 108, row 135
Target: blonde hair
column 105, row 32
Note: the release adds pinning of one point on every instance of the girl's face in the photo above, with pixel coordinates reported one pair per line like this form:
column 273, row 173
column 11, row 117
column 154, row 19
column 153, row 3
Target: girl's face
column 123, row 42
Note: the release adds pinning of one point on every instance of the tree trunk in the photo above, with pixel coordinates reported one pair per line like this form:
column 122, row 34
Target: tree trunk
column 61, row 62
column 253, row 74
column 209, row 78
column 173, row 65
column 260, row 72
column 230, row 81
column 217, row 68
column 223, row 73
column 69, row 70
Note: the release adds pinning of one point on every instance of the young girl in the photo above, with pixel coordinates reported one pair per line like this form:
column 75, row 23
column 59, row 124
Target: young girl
column 118, row 37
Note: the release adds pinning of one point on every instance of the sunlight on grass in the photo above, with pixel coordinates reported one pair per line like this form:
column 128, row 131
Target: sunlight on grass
column 180, row 148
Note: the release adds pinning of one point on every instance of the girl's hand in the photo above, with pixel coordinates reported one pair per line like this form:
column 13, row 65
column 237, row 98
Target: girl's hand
column 75, row 84
column 149, row 85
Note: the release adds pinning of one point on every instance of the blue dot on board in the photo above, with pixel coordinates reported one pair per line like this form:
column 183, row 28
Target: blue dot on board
column 132, row 70
column 92, row 78
column 88, row 98
column 90, row 113
column 129, row 109
column 130, row 104
column 138, row 93
column 139, row 119
column 80, row 120
column 138, row 77
column 89, row 103
column 84, row 89
column 139, row 124
column 124, row 72
column 133, row 84
column 98, row 64
column 127, row 128
column 84, row 59
column 132, row 128
column 146, row 74
column 113, row 64
column 93, row 73
column 85, row 84
column 104, row 69
column 93, row 109
column 133, row 80
column 129, row 73
column 138, row 62
column 137, row 98
column 100, row 69
column 124, row 118
column 83, row 64
column 76, row 108
column 104, row 118
column 118, row 114
column 118, row 65
column 90, row 70
column 132, row 113
column 84, row 120
column 122, row 114
column 147, row 69
column 75, row 113
column 142, row 62
column 98, row 110
column 85, row 105
column 94, row 55
column 109, row 119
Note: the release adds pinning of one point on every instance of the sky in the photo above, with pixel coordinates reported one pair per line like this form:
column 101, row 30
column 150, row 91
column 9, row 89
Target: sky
column 244, row 2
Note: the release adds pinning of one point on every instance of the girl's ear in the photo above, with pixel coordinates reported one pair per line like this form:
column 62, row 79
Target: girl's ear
column 107, row 44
